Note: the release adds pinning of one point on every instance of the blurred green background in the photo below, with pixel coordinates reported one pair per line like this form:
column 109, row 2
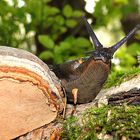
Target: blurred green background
column 54, row 31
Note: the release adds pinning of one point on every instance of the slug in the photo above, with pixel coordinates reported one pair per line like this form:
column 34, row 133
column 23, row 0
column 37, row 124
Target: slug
column 90, row 75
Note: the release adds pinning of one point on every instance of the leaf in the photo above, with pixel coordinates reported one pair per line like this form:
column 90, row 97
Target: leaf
column 67, row 11
column 71, row 23
column 134, row 49
column 77, row 13
column 63, row 29
column 65, row 46
column 62, row 48
column 82, row 42
column 62, row 52
column 60, row 20
column 46, row 55
column 49, row 11
column 71, row 40
column 46, row 41
column 121, row 1
column 128, row 58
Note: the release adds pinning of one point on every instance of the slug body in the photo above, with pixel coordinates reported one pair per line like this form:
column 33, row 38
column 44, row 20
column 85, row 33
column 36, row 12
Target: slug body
column 88, row 78
column 88, row 75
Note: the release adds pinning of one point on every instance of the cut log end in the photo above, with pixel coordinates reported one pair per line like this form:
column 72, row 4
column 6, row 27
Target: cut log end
column 29, row 94
column 22, row 110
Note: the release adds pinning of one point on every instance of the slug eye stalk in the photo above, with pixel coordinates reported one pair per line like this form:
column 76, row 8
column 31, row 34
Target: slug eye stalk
column 115, row 47
column 106, row 53
column 94, row 38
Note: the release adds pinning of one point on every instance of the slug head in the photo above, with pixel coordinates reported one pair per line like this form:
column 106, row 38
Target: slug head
column 106, row 54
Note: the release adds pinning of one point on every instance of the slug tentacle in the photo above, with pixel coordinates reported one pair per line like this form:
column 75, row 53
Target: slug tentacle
column 115, row 47
column 95, row 40
column 106, row 54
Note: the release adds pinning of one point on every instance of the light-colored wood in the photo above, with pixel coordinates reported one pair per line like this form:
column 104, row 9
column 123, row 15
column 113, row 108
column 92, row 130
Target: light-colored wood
column 23, row 108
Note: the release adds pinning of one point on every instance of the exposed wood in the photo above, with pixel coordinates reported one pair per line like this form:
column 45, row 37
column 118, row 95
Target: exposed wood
column 104, row 95
column 131, row 97
column 23, row 110
column 30, row 94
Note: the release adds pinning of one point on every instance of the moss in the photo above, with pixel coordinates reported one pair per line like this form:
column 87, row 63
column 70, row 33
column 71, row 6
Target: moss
column 117, row 77
column 97, row 123
column 71, row 129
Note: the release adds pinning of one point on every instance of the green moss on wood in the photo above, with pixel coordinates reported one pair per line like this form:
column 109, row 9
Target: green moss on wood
column 107, row 121
column 117, row 77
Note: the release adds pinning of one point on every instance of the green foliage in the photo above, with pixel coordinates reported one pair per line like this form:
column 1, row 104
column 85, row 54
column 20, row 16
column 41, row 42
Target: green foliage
column 71, row 128
column 113, row 122
column 10, row 29
column 71, row 23
column 46, row 41
column 54, row 32
column 67, row 11
column 47, row 23
column 128, row 56
column 64, row 49
column 117, row 77
column 134, row 49
column 45, row 55
column 108, row 11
